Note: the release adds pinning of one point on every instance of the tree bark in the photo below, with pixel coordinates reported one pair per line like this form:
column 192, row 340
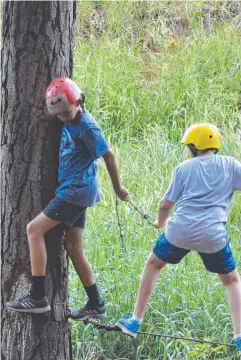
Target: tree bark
column 37, row 42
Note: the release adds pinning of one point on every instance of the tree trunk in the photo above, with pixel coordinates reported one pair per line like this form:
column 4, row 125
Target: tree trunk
column 37, row 47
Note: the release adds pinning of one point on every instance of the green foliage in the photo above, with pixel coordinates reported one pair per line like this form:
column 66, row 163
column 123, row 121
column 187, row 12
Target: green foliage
column 146, row 79
column 135, row 71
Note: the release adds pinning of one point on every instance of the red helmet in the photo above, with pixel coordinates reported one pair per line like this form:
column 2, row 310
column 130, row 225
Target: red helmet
column 60, row 94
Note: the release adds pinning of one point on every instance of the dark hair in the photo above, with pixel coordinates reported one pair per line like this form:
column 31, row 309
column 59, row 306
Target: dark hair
column 194, row 150
column 82, row 100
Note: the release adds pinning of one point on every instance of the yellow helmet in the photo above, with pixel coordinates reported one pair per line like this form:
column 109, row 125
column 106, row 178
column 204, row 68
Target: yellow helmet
column 202, row 136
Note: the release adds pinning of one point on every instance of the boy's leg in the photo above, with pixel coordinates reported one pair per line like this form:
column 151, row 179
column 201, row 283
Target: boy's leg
column 130, row 324
column 223, row 263
column 232, row 284
column 149, row 278
column 163, row 253
column 35, row 232
column 36, row 301
column 74, row 245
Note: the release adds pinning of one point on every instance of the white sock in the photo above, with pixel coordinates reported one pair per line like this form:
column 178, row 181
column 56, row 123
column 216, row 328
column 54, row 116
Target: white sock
column 237, row 336
column 134, row 317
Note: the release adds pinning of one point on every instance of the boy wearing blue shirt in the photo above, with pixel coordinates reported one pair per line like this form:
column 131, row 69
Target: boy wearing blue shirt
column 82, row 143
column 201, row 188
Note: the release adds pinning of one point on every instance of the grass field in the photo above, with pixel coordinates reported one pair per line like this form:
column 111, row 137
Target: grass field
column 150, row 69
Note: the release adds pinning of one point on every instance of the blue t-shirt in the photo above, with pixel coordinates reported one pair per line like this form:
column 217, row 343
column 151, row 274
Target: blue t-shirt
column 81, row 144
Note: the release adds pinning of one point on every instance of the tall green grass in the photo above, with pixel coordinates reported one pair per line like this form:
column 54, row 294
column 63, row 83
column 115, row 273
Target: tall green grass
column 143, row 101
column 192, row 78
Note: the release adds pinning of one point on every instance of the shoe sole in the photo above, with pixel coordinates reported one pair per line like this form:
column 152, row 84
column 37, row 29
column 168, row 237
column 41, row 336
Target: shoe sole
column 126, row 331
column 89, row 316
column 33, row 311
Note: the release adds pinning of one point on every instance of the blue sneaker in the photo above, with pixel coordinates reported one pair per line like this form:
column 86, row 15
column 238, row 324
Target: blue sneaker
column 128, row 326
column 238, row 343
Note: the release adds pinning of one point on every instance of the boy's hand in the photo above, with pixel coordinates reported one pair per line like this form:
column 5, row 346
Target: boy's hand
column 123, row 194
column 158, row 225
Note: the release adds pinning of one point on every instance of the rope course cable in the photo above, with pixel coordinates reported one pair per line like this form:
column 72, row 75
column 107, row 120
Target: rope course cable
column 144, row 216
column 110, row 327
column 121, row 231
column 119, row 225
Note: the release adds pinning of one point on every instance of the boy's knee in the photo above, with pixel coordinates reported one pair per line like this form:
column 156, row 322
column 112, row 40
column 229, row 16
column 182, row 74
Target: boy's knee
column 154, row 262
column 33, row 229
column 30, row 229
column 231, row 278
column 73, row 246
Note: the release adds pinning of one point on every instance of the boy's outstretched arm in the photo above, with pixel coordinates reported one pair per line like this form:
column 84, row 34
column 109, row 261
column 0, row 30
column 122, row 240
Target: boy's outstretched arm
column 164, row 209
column 113, row 171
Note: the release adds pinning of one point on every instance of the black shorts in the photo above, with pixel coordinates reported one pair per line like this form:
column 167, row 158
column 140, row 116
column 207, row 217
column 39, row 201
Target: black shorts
column 69, row 214
column 221, row 262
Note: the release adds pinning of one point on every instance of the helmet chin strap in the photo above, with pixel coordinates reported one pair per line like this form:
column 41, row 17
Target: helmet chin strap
column 193, row 150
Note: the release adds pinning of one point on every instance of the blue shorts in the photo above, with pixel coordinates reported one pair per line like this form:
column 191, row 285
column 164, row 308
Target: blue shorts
column 221, row 262
column 69, row 214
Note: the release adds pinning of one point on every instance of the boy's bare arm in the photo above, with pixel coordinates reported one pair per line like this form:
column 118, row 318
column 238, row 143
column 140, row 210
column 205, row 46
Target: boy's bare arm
column 164, row 209
column 113, row 171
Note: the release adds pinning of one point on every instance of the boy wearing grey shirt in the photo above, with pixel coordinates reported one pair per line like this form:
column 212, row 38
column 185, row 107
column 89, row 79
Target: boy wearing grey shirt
column 201, row 188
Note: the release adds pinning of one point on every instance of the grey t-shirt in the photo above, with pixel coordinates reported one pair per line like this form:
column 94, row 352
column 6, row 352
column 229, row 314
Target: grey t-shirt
column 202, row 189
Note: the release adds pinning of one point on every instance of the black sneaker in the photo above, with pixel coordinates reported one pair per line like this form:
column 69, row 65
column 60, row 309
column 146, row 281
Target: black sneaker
column 29, row 305
column 93, row 311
